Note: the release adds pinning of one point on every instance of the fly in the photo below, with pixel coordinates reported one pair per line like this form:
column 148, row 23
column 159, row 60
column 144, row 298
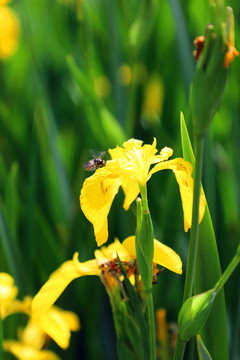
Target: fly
column 95, row 163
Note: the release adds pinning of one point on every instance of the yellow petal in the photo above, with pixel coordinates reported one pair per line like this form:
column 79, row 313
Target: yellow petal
column 58, row 281
column 96, row 198
column 9, row 32
column 32, row 335
column 108, row 253
column 166, row 257
column 4, row 2
column 8, row 290
column 25, row 352
column 17, row 306
column 149, row 150
column 163, row 255
column 131, row 190
column 55, row 326
column 182, row 170
column 132, row 143
column 116, row 249
column 71, row 319
column 117, row 153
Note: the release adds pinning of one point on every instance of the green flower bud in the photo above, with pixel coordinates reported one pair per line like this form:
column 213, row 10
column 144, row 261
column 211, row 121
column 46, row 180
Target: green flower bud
column 194, row 313
column 144, row 244
column 208, row 82
column 145, row 250
column 214, row 51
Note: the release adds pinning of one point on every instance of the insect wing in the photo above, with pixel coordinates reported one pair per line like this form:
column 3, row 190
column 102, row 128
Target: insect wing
column 97, row 154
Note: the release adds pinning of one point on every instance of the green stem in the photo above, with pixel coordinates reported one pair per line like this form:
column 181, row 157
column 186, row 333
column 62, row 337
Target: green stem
column 151, row 323
column 143, row 192
column 192, row 254
column 179, row 350
column 228, row 272
column 150, row 305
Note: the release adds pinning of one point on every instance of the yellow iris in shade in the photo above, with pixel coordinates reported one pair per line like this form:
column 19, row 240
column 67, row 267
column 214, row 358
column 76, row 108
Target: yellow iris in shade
column 29, row 346
column 55, row 322
column 9, row 30
column 130, row 168
column 105, row 262
column 8, row 293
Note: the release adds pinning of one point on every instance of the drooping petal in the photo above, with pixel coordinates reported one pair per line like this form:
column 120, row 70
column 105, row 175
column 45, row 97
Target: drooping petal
column 131, row 190
column 55, row 326
column 182, row 170
column 58, row 282
column 166, row 257
column 25, row 352
column 32, row 335
column 163, row 255
column 71, row 319
column 96, row 198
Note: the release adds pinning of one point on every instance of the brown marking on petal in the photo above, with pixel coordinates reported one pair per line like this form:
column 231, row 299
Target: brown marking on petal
column 103, row 188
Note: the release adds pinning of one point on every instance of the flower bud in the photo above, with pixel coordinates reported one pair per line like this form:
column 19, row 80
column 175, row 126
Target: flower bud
column 214, row 53
column 194, row 313
column 145, row 250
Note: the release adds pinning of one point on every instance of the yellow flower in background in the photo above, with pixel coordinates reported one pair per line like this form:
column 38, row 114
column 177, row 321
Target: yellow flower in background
column 9, row 30
column 105, row 265
column 130, row 169
column 29, row 346
column 25, row 352
column 56, row 323
column 153, row 99
column 8, row 293
column 102, row 86
column 124, row 75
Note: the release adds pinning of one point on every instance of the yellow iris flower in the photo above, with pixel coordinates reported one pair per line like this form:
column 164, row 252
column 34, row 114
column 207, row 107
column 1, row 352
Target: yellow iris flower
column 9, row 30
column 55, row 322
column 104, row 265
column 130, row 168
column 29, row 346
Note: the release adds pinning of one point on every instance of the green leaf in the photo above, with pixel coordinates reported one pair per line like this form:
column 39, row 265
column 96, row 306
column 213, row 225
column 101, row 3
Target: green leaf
column 104, row 126
column 208, row 272
column 11, row 252
column 202, row 350
column 124, row 352
column 12, row 199
column 137, row 311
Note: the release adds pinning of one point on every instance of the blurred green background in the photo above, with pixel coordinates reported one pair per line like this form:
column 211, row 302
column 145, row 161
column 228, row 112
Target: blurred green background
column 90, row 75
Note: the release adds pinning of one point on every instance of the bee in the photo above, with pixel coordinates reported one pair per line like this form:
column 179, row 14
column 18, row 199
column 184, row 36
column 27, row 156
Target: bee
column 95, row 163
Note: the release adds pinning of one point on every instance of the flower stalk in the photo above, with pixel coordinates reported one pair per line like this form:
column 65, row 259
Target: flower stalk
column 145, row 250
column 228, row 272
